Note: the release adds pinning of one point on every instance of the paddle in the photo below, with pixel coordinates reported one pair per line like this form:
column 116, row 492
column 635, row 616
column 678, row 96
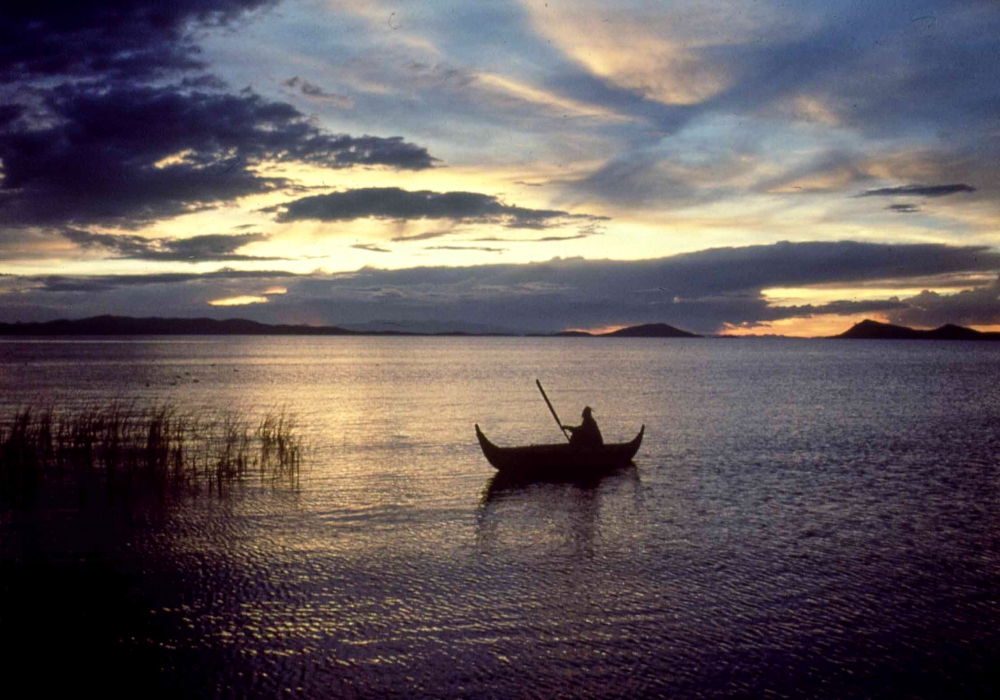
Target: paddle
column 549, row 404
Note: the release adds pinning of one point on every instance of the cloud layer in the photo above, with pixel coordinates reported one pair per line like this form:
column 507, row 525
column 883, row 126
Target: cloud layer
column 918, row 191
column 92, row 135
column 704, row 291
column 210, row 247
column 97, row 159
column 401, row 205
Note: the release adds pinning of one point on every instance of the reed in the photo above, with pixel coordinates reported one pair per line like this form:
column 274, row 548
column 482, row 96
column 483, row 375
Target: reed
column 160, row 444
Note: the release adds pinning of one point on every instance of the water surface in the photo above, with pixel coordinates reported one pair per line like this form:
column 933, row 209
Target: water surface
column 805, row 519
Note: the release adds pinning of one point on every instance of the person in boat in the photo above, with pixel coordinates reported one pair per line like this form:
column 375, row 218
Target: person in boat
column 587, row 434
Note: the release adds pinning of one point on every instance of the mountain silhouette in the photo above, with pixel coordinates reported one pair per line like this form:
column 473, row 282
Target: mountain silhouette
column 650, row 330
column 127, row 325
column 873, row 330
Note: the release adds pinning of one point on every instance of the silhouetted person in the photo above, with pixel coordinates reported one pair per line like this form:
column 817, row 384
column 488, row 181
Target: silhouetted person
column 587, row 434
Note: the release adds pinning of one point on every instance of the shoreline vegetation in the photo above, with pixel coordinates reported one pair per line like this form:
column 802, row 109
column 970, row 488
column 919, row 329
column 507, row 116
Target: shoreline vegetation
column 126, row 445
column 130, row 326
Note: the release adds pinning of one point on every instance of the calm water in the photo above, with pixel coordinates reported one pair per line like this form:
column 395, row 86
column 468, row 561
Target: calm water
column 805, row 519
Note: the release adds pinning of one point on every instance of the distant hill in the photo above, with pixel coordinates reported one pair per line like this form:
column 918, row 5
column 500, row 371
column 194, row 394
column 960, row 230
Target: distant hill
column 125, row 325
column 873, row 330
column 650, row 330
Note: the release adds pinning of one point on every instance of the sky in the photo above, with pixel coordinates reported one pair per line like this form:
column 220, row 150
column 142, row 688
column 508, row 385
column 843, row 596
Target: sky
column 742, row 167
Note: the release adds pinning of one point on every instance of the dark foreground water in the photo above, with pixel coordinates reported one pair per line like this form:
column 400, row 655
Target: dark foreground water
column 804, row 519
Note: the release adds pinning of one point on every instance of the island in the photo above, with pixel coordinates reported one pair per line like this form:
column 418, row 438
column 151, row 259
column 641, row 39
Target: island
column 873, row 330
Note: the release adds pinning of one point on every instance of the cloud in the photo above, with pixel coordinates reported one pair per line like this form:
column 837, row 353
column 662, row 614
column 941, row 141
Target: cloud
column 904, row 208
column 396, row 204
column 918, row 191
column 426, row 235
column 119, row 39
column 543, row 239
column 315, row 92
column 820, row 82
column 129, row 155
column 977, row 306
column 371, row 247
column 703, row 291
column 102, row 283
column 485, row 249
column 110, row 119
column 212, row 247
column 715, row 159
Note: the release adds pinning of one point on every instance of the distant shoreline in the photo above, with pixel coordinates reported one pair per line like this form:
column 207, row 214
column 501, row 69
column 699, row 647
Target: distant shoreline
column 124, row 326
column 129, row 326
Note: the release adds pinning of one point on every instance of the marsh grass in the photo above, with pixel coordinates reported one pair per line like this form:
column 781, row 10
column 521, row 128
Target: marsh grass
column 159, row 445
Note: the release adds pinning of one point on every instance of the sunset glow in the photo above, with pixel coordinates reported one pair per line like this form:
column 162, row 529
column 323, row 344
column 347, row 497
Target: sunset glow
column 238, row 301
column 311, row 144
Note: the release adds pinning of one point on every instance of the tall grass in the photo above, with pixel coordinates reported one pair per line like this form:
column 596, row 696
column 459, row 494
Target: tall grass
column 159, row 444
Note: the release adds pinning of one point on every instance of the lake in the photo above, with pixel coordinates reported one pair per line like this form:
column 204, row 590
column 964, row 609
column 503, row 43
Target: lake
column 805, row 518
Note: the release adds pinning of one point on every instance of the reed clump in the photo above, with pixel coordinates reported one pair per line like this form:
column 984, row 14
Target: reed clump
column 159, row 444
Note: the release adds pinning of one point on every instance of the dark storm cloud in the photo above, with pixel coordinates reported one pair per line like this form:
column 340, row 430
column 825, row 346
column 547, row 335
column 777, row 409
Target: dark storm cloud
column 120, row 39
column 918, row 191
column 212, row 247
column 128, row 155
column 397, row 204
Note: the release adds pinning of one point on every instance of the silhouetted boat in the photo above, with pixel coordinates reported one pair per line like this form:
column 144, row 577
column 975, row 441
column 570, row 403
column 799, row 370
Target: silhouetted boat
column 559, row 460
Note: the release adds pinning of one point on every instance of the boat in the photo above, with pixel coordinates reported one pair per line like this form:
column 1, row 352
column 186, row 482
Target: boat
column 561, row 460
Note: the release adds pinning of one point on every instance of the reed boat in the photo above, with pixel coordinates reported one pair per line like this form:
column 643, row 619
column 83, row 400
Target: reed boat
column 559, row 460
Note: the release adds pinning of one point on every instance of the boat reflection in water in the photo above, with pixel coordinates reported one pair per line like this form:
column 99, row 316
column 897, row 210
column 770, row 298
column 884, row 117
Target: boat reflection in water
column 550, row 525
column 503, row 484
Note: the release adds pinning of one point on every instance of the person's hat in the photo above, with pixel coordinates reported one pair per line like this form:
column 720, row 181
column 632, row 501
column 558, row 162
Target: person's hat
column 587, row 410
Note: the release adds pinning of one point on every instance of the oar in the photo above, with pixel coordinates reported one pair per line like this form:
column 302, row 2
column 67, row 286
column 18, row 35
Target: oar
column 549, row 404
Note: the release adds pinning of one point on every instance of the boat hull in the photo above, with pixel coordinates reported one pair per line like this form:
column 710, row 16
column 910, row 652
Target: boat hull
column 562, row 460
